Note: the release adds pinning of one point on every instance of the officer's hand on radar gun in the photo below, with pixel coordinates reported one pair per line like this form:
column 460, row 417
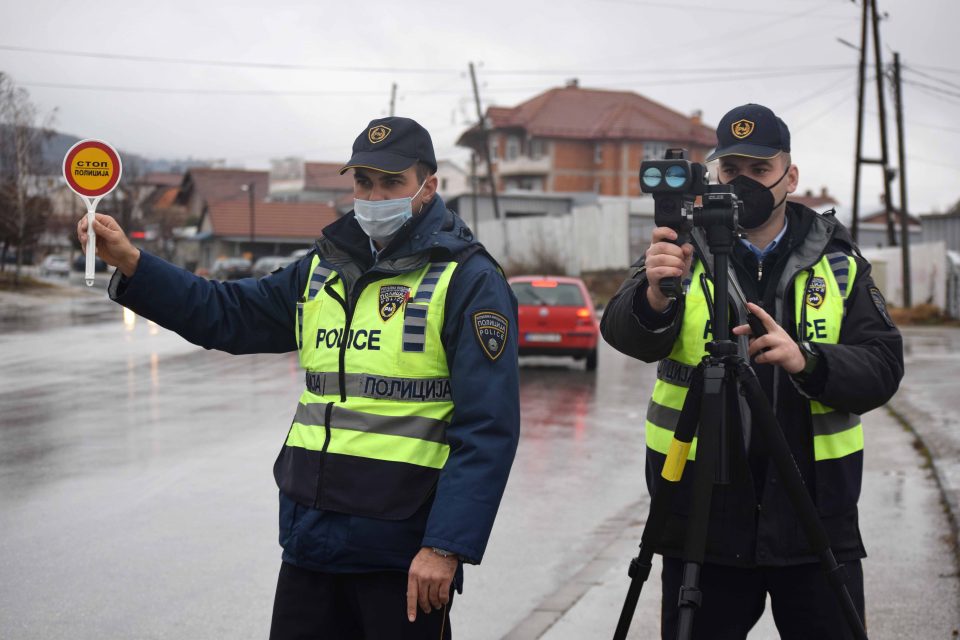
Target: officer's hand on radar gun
column 428, row 582
column 665, row 260
column 113, row 246
column 777, row 345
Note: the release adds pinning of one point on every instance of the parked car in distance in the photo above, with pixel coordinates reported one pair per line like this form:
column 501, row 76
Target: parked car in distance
column 231, row 269
column 556, row 317
column 55, row 266
column 80, row 264
column 268, row 264
column 299, row 253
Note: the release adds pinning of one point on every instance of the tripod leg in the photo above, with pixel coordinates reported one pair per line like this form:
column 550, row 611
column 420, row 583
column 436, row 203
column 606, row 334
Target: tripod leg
column 660, row 502
column 786, row 466
column 712, row 413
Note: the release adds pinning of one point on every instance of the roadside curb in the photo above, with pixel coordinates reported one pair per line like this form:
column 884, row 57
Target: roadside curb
column 899, row 407
column 553, row 607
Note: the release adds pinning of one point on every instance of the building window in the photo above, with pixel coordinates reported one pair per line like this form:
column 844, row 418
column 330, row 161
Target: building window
column 513, row 148
column 654, row 150
column 537, row 148
column 598, row 153
column 494, row 150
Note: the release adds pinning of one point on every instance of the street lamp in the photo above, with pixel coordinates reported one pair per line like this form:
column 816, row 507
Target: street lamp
column 250, row 188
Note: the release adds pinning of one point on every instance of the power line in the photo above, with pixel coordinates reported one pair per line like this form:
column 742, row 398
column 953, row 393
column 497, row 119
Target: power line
column 931, row 77
column 228, row 63
column 938, row 96
column 396, row 70
column 829, row 109
column 819, row 93
column 925, row 125
column 224, row 92
column 933, row 68
column 714, row 8
column 729, row 77
column 930, row 87
column 932, row 163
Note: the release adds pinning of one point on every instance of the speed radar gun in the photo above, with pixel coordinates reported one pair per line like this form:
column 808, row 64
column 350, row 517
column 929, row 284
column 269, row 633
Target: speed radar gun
column 675, row 184
column 92, row 170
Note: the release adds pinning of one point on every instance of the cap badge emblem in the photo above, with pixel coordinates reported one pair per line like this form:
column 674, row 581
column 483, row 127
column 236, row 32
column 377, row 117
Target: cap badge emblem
column 378, row 133
column 741, row 128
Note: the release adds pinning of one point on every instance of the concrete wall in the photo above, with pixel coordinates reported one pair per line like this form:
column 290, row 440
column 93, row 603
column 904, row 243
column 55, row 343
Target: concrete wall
column 942, row 228
column 592, row 237
column 928, row 272
column 873, row 236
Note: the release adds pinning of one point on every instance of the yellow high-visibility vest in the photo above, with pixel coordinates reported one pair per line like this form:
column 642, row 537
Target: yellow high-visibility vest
column 369, row 435
column 820, row 294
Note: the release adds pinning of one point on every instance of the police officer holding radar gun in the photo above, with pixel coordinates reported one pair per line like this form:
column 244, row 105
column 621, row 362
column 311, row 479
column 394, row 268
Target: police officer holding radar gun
column 829, row 352
column 392, row 470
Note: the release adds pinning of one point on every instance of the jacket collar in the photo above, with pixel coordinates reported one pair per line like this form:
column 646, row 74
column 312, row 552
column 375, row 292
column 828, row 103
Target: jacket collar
column 435, row 233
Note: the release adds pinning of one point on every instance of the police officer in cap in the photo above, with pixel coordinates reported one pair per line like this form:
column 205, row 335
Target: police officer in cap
column 830, row 353
column 392, row 470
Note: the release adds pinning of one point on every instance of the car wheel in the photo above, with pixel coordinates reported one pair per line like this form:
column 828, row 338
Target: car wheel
column 592, row 360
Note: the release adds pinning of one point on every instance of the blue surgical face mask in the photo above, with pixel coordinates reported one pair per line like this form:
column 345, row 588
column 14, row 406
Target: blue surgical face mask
column 381, row 219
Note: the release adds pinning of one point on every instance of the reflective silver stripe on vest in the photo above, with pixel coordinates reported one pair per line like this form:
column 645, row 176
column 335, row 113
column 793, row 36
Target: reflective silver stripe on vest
column 827, row 424
column 300, row 324
column 675, row 372
column 320, row 275
column 663, row 416
column 365, row 385
column 407, row 426
column 415, row 312
column 841, row 270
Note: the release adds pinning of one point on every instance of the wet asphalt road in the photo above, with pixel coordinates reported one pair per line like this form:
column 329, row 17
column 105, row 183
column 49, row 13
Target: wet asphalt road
column 137, row 500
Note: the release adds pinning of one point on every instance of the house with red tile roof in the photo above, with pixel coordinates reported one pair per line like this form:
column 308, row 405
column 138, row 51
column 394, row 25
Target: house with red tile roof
column 819, row 202
column 872, row 229
column 324, row 177
column 237, row 218
column 574, row 139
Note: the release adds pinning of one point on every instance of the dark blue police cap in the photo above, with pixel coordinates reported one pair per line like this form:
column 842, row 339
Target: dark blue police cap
column 392, row 145
column 751, row 130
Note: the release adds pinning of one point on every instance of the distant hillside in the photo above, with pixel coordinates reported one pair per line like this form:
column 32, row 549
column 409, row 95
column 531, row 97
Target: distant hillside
column 55, row 147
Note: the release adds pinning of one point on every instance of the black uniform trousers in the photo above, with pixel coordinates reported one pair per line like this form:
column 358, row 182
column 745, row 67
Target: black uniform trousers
column 804, row 605
column 350, row 606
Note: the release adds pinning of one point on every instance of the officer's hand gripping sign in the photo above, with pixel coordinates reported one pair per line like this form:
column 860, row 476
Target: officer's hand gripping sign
column 92, row 170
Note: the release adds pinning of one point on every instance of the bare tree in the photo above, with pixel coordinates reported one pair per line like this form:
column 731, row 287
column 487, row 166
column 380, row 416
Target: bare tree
column 21, row 163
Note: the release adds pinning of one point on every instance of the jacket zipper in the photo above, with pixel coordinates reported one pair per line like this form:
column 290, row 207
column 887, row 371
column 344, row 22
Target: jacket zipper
column 348, row 313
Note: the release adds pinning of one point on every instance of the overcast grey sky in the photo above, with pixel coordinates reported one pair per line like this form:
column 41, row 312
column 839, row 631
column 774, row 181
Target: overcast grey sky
column 688, row 55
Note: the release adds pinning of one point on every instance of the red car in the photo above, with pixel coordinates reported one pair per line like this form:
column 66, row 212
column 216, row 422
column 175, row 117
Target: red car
column 556, row 318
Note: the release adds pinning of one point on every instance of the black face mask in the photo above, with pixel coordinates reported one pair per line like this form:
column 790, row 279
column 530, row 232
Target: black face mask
column 757, row 200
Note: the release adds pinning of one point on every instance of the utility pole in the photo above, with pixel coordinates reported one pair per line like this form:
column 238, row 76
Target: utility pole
column 855, row 224
column 473, row 195
column 250, row 187
column 393, row 98
column 901, row 159
column 881, row 107
column 485, row 135
column 870, row 9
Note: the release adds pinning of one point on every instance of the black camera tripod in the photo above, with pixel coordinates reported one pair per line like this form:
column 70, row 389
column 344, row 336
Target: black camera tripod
column 705, row 407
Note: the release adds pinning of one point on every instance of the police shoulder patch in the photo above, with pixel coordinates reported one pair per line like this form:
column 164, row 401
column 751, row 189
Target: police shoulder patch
column 392, row 297
column 881, row 304
column 491, row 329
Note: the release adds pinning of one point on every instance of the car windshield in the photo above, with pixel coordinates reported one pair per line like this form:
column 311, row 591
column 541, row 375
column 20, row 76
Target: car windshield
column 557, row 294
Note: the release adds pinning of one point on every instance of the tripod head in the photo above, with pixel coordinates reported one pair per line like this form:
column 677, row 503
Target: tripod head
column 675, row 184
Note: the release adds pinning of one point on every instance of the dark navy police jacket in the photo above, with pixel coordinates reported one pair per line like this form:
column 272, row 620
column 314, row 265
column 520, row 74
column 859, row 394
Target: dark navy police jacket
column 258, row 316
